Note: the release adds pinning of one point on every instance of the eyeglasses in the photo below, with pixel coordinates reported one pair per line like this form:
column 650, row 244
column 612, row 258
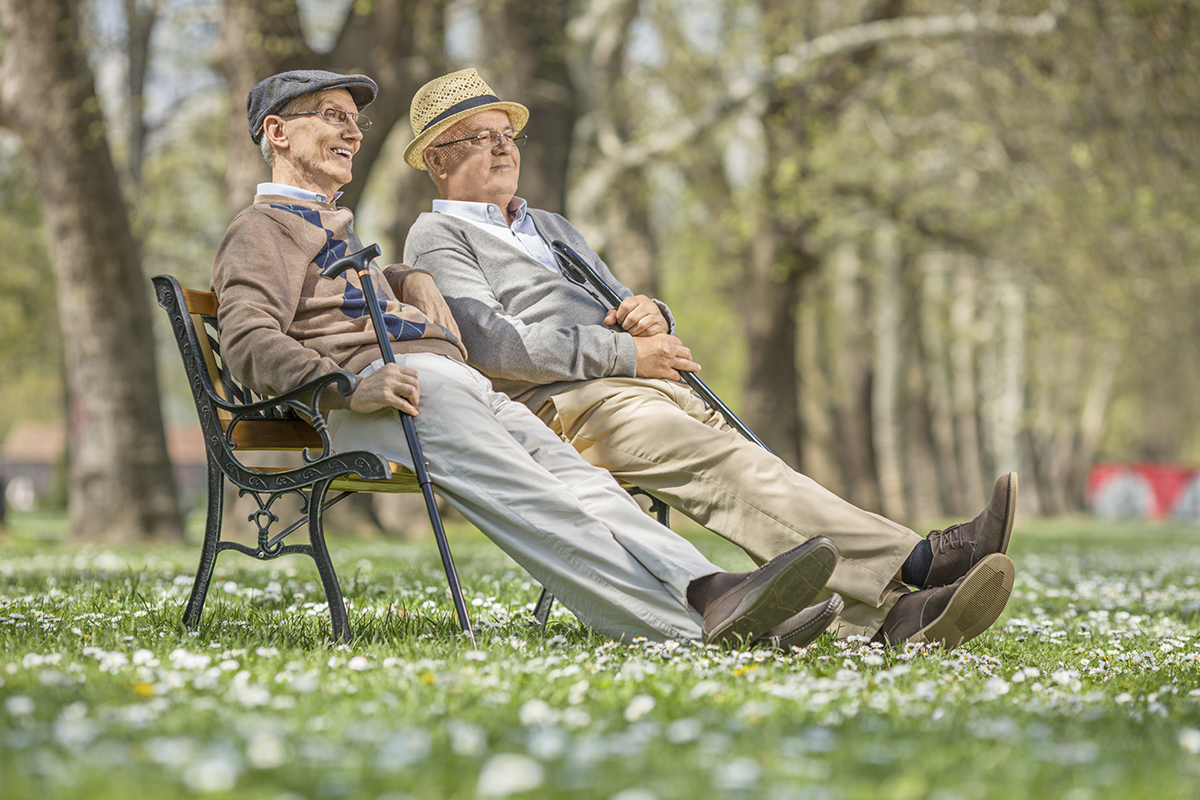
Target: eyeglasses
column 490, row 139
column 336, row 116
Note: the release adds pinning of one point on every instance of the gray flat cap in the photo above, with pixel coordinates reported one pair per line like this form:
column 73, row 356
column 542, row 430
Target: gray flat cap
column 276, row 91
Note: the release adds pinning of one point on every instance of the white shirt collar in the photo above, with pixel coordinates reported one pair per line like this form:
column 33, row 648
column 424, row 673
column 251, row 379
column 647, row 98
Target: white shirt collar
column 294, row 192
column 522, row 233
column 483, row 213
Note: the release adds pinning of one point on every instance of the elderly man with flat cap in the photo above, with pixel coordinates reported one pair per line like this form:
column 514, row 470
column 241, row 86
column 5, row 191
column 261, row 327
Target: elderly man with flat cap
column 566, row 522
column 607, row 380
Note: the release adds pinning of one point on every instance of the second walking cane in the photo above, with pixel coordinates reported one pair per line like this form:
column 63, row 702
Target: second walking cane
column 580, row 272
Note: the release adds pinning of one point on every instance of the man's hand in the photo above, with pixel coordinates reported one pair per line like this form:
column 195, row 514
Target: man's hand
column 662, row 356
column 639, row 316
column 391, row 386
column 419, row 290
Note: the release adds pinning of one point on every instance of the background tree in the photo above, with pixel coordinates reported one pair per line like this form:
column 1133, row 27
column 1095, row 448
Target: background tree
column 121, row 485
column 913, row 242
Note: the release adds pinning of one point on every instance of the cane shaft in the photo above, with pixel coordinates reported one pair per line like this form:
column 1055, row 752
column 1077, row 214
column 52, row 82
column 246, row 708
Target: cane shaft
column 414, row 449
column 569, row 258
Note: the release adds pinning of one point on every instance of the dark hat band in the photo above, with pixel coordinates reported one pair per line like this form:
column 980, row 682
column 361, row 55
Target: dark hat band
column 465, row 105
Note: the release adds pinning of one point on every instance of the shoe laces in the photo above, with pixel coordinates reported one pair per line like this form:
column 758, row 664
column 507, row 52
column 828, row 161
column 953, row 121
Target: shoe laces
column 949, row 539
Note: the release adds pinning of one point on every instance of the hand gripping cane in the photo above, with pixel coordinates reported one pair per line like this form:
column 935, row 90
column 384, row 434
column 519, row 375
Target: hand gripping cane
column 360, row 263
column 580, row 272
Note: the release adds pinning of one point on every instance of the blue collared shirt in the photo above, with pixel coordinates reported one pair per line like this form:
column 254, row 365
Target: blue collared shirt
column 521, row 234
column 294, row 192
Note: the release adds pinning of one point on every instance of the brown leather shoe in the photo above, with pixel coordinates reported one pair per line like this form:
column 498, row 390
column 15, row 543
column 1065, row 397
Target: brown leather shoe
column 960, row 547
column 803, row 628
column 951, row 615
column 770, row 594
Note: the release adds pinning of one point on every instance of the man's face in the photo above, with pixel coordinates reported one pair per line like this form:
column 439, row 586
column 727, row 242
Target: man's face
column 319, row 154
column 477, row 174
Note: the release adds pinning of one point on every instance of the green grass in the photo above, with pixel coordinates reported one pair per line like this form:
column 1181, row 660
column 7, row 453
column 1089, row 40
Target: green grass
column 1088, row 687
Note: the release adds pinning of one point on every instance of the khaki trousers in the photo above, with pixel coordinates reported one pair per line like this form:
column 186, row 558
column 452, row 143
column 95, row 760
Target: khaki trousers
column 662, row 437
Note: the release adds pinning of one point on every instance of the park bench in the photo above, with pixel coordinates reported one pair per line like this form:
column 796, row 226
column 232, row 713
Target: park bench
column 237, row 421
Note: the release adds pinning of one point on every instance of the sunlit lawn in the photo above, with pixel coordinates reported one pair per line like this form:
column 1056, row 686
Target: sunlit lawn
column 1089, row 686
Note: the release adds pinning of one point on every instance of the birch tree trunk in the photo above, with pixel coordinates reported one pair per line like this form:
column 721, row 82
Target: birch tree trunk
column 1005, row 374
column 121, row 487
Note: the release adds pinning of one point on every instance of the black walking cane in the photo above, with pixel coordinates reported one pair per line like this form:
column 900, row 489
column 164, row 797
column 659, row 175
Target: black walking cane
column 579, row 271
column 360, row 263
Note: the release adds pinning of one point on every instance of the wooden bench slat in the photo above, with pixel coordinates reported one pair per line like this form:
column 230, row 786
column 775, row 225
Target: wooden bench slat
column 200, row 302
column 273, row 434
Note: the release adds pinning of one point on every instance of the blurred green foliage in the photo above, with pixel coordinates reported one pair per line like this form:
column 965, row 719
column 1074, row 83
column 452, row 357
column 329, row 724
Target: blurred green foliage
column 30, row 339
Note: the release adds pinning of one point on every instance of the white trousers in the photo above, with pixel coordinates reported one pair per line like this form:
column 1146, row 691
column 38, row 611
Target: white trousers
column 569, row 524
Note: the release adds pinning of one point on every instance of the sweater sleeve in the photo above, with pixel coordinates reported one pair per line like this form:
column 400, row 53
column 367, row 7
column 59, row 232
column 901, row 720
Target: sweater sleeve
column 519, row 329
column 257, row 276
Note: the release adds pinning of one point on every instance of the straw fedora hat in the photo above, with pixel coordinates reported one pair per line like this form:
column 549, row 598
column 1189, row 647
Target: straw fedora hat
column 444, row 101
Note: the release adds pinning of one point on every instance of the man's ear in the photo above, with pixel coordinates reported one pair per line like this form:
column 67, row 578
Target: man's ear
column 434, row 163
column 275, row 132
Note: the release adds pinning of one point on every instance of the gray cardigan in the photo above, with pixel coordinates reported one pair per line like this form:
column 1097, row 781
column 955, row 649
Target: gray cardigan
column 530, row 330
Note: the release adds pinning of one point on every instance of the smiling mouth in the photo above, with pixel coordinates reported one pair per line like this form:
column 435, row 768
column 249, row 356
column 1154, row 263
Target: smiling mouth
column 343, row 152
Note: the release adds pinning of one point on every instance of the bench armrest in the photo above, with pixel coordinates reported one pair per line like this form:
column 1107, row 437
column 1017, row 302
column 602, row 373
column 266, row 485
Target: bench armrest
column 304, row 401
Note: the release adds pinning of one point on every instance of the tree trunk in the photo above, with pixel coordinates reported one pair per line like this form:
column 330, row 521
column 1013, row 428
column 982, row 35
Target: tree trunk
column 258, row 37
column 121, row 487
column 1092, row 414
column 140, row 19
column 851, row 393
column 599, row 111
column 885, row 388
column 398, row 43
column 819, row 443
column 632, row 251
column 767, row 298
column 920, row 463
column 962, row 382
column 1005, row 372
column 935, row 345
column 401, row 44
column 528, row 39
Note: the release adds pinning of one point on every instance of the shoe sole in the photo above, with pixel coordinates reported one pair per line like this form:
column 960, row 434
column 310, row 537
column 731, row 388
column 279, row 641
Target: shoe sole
column 804, row 634
column 975, row 606
column 801, row 575
column 1010, row 514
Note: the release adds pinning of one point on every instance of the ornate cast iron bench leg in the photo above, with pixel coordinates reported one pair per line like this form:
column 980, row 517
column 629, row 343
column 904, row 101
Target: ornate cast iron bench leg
column 320, row 554
column 209, row 549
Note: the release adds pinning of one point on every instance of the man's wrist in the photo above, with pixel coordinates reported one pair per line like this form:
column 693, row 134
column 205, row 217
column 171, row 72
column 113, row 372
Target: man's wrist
column 626, row 362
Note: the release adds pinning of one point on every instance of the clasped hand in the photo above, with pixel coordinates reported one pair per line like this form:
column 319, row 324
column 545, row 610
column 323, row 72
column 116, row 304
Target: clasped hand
column 639, row 316
column 659, row 354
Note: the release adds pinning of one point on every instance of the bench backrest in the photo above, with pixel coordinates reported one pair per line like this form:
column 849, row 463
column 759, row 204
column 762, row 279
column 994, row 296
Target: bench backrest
column 268, row 430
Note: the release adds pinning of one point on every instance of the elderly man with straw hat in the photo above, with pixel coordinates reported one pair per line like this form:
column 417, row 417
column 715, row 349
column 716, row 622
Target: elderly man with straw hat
column 607, row 381
column 566, row 522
